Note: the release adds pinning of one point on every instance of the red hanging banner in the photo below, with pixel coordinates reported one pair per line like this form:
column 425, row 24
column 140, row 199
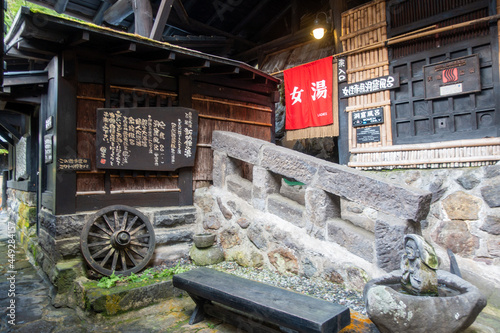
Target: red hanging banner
column 308, row 93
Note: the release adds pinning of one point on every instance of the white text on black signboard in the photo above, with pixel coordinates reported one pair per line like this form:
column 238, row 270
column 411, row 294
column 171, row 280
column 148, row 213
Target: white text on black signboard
column 162, row 139
column 370, row 86
column 368, row 117
column 368, row 134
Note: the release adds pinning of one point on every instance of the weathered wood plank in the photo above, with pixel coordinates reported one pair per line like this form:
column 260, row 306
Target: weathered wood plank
column 161, row 19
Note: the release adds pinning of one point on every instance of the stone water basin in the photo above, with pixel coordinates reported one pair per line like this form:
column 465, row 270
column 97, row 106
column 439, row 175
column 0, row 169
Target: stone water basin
column 394, row 311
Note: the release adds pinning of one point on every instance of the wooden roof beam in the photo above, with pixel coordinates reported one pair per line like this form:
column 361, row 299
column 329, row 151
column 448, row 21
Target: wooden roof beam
column 118, row 12
column 193, row 64
column 15, row 133
column 98, row 17
column 5, row 136
column 256, row 10
column 60, row 6
column 161, row 19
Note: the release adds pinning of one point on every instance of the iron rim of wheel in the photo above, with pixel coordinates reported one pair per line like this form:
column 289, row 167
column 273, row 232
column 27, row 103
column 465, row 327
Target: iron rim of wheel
column 117, row 239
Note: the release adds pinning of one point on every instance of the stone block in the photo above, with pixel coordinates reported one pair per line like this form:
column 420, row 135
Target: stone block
column 238, row 146
column 468, row 180
column 491, row 225
column 356, row 240
column 240, row 186
column 65, row 274
column 455, row 235
column 257, row 236
column 290, row 163
column 170, row 254
column 491, row 193
column 264, row 183
column 396, row 199
column 462, row 206
column 389, row 234
column 284, row 260
column 207, row 256
column 63, row 226
column 286, row 209
column 320, row 206
column 174, row 216
column 224, row 166
column 173, row 236
column 124, row 298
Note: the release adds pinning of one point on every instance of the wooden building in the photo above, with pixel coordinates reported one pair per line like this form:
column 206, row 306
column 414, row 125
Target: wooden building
column 64, row 70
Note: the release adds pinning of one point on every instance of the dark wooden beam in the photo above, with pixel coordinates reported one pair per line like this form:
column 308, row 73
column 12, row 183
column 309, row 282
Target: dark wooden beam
column 181, row 12
column 143, row 17
column 98, row 17
column 39, row 77
column 161, row 19
column 266, row 28
column 193, row 64
column 118, row 12
column 221, row 70
column 250, row 16
column 15, row 133
column 131, row 47
column 5, row 136
column 80, row 38
column 60, row 6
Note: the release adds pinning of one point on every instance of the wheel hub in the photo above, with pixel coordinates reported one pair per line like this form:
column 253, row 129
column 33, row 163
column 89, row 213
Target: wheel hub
column 121, row 239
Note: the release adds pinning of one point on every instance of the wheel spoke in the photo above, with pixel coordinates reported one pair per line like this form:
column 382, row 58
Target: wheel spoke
column 106, row 258
column 97, row 254
column 108, row 222
column 124, row 221
column 117, row 220
column 115, row 259
column 124, row 260
column 131, row 257
column 132, row 223
column 93, row 234
column 136, row 252
column 103, row 230
column 139, row 244
column 141, row 236
column 137, row 229
column 98, row 244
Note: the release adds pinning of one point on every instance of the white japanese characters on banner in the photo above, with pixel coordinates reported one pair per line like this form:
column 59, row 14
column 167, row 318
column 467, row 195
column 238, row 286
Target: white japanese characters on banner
column 308, row 90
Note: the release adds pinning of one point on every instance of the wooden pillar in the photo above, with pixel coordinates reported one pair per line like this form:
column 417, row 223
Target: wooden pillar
column 143, row 15
column 65, row 140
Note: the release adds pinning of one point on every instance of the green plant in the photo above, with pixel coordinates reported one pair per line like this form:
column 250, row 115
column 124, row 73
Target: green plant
column 148, row 274
column 108, row 282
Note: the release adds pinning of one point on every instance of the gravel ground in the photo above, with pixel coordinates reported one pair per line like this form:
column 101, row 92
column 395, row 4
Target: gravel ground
column 314, row 287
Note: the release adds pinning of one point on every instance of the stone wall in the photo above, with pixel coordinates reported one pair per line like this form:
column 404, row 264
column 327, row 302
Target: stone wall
column 346, row 225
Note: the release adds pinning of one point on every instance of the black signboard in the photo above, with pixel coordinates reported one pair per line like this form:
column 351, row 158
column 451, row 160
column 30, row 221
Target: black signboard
column 73, row 164
column 370, row 86
column 161, row 139
column 453, row 77
column 47, row 144
column 368, row 134
column 368, row 117
column 342, row 70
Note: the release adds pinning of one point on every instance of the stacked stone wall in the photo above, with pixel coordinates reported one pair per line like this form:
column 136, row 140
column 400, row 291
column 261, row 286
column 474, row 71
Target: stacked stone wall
column 342, row 224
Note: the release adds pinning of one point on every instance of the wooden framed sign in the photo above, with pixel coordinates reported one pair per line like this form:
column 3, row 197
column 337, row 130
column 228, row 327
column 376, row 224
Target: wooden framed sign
column 368, row 117
column 453, row 77
column 154, row 139
column 368, row 134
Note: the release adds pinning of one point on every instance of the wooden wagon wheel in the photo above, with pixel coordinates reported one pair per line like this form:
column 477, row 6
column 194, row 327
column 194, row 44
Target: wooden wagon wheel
column 117, row 239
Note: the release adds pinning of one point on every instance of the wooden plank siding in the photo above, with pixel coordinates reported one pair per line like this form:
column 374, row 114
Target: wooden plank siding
column 226, row 115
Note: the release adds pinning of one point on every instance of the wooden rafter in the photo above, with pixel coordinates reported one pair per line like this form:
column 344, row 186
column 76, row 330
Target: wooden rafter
column 161, row 19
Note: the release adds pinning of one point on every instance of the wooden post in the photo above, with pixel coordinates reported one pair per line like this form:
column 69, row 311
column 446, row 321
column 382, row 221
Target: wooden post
column 143, row 15
column 161, row 19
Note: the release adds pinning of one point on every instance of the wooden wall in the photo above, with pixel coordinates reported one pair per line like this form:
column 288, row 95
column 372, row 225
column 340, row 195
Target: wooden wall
column 98, row 188
column 365, row 39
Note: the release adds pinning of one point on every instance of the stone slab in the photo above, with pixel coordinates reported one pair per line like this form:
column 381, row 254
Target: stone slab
column 238, row 146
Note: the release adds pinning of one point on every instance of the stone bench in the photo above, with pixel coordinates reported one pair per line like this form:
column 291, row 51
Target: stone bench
column 258, row 300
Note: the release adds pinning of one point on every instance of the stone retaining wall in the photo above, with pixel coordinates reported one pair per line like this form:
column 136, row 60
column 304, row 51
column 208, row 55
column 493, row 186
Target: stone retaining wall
column 346, row 225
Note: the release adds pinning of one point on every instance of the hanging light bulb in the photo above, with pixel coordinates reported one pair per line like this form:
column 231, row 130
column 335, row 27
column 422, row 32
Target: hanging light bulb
column 320, row 28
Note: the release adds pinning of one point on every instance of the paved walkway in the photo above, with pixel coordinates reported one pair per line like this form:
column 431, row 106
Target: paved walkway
column 30, row 309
